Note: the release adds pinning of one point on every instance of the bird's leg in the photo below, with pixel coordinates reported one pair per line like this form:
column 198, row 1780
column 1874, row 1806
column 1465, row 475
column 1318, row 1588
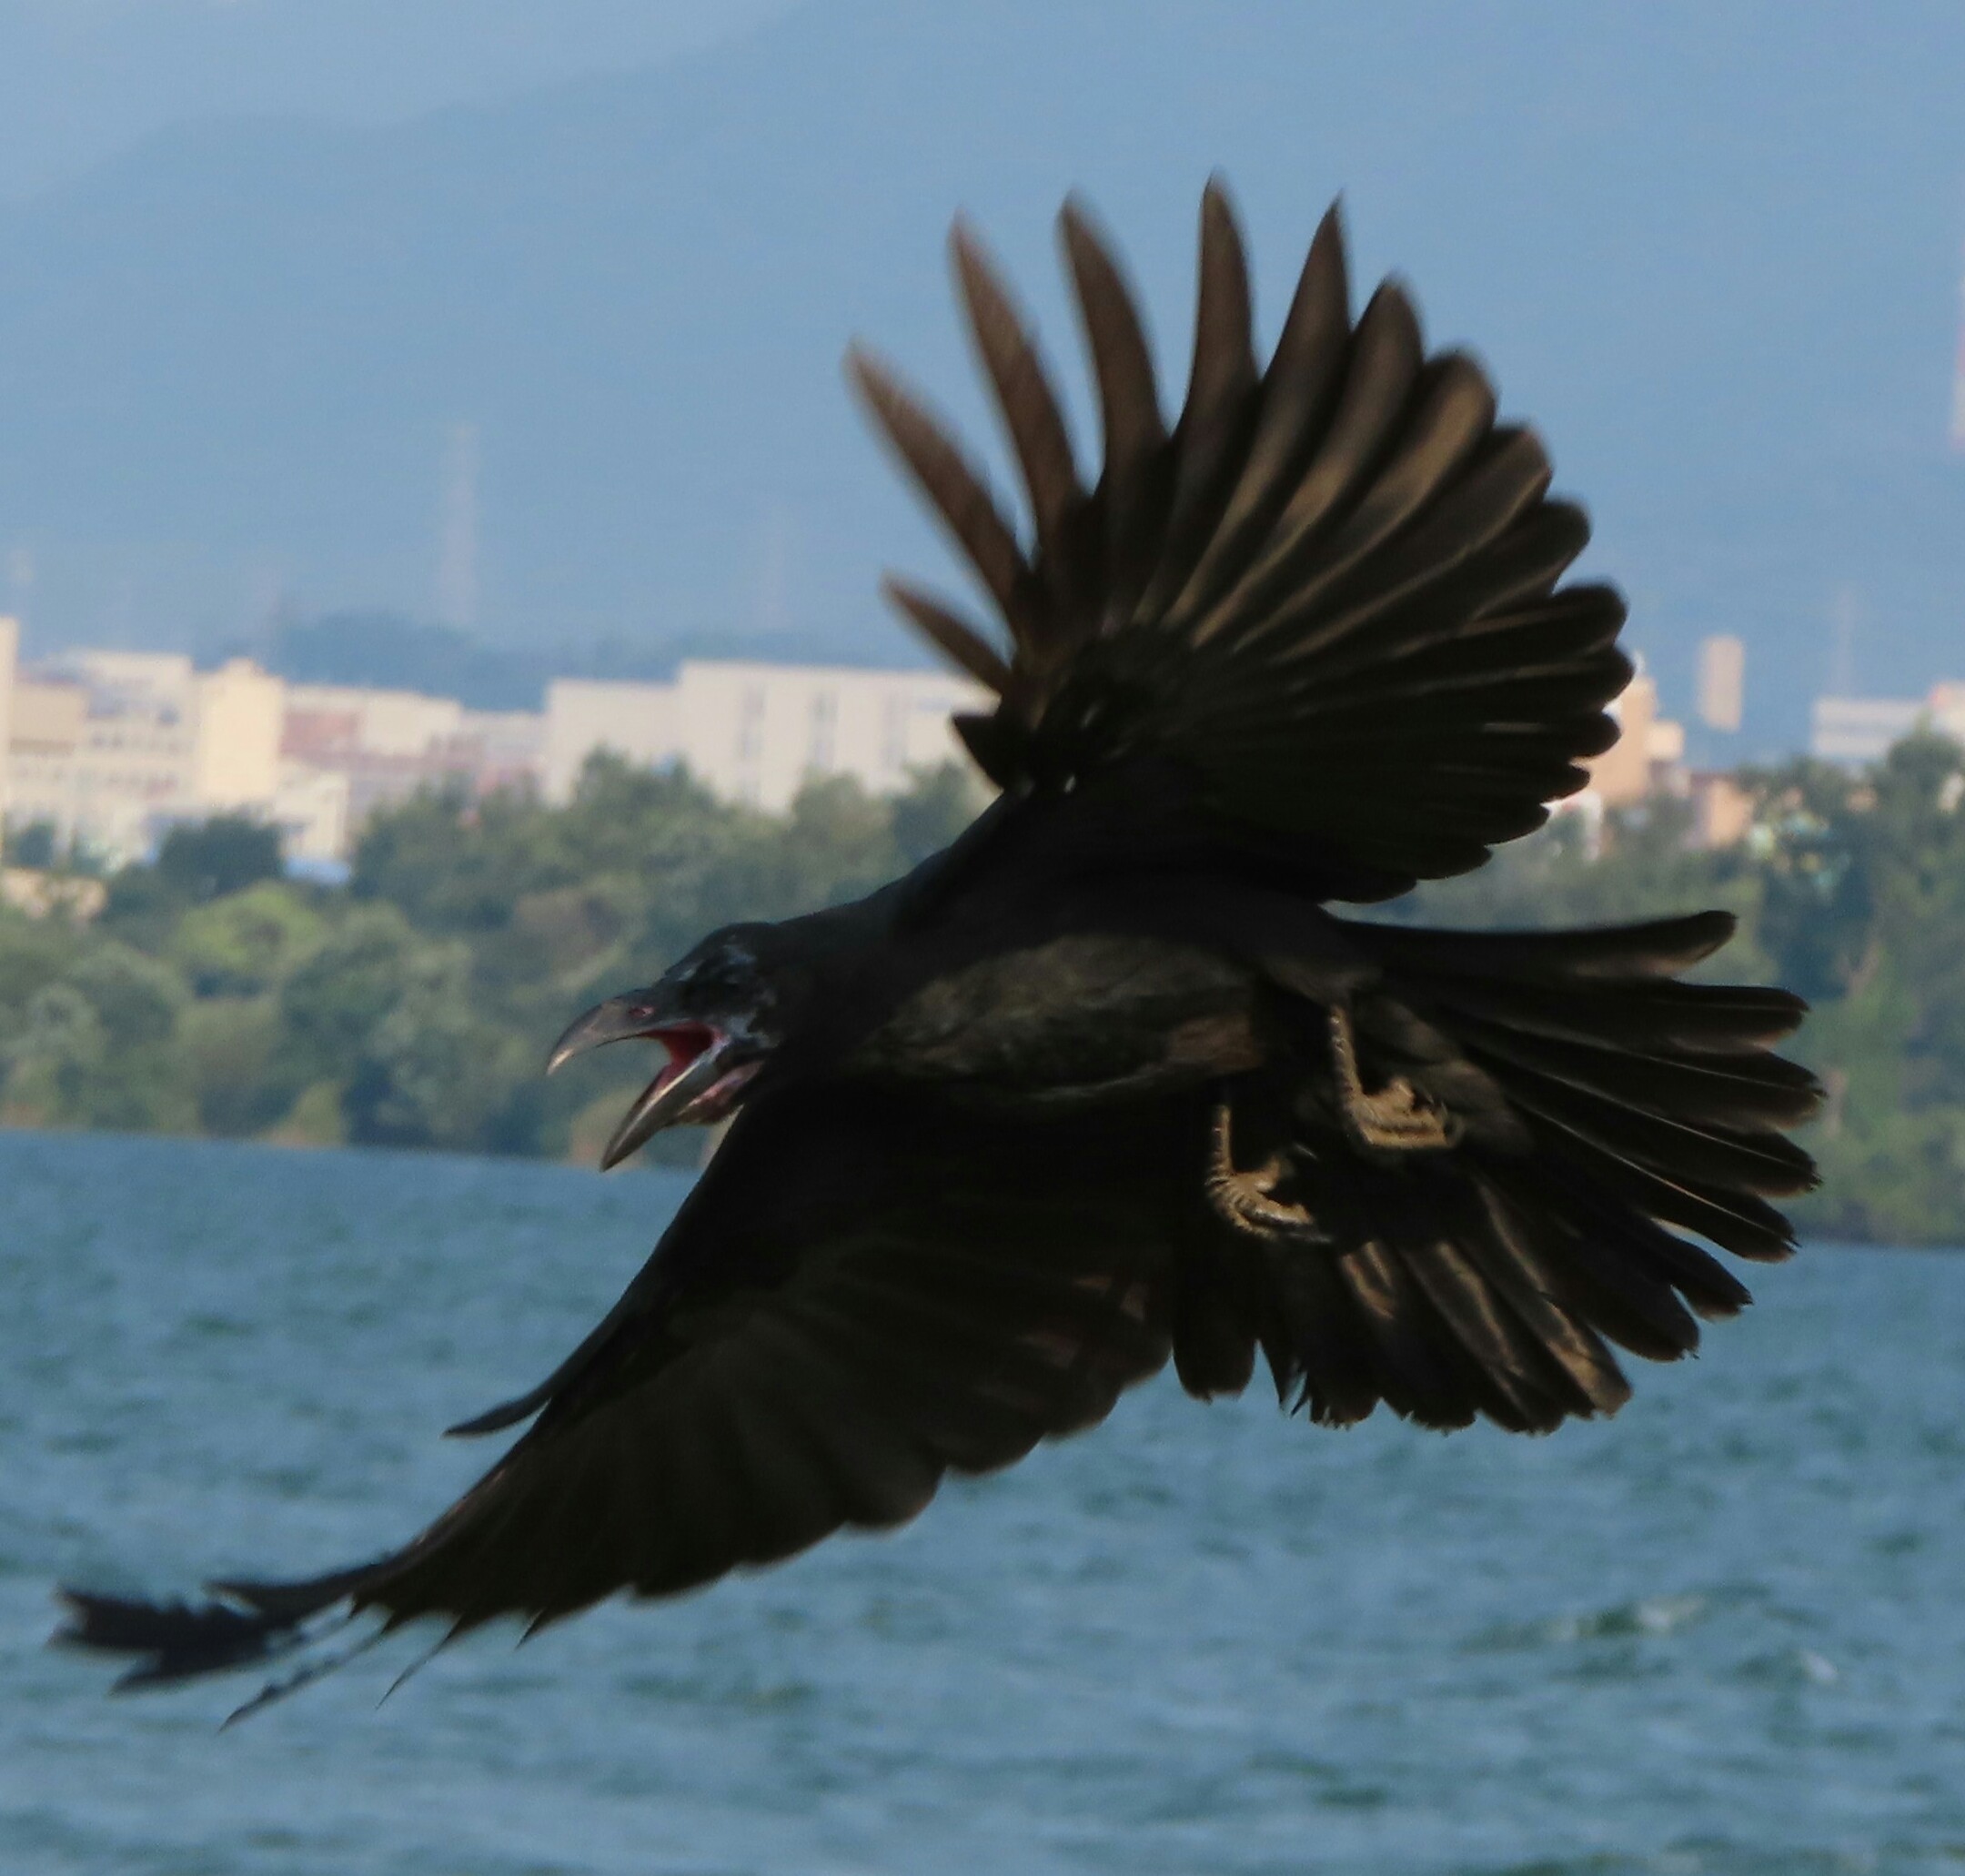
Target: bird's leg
column 1243, row 1199
column 1398, row 1118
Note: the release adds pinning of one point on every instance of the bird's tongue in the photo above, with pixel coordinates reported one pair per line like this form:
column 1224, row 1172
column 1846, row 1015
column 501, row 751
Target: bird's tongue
column 686, row 1043
column 696, row 1084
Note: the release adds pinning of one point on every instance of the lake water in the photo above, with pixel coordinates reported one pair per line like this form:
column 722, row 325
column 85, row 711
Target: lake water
column 1725, row 1633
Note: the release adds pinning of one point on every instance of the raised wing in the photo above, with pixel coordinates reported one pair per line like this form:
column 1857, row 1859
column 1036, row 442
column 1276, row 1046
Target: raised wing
column 1329, row 592
column 860, row 1295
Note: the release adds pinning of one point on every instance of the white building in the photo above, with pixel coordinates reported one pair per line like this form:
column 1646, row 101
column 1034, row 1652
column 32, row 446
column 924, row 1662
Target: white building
column 757, row 733
column 310, row 808
column 1862, row 728
column 112, row 747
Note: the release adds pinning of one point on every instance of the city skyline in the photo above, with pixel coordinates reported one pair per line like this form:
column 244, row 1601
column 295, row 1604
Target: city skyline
column 108, row 748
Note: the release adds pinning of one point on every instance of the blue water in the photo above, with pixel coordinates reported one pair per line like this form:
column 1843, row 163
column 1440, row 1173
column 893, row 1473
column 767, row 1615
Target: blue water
column 1725, row 1633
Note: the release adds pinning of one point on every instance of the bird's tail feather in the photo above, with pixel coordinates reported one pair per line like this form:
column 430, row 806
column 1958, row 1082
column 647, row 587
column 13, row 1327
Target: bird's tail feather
column 1602, row 1105
column 1638, row 1091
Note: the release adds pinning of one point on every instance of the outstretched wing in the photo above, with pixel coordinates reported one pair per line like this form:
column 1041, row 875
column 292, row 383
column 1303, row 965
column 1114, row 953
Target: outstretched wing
column 1329, row 592
column 859, row 1295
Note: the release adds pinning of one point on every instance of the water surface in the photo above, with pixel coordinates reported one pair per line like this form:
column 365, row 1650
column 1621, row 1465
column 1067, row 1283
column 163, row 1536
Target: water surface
column 1725, row 1633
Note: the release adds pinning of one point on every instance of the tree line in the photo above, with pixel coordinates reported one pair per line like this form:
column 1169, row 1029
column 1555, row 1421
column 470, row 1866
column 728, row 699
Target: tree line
column 411, row 1006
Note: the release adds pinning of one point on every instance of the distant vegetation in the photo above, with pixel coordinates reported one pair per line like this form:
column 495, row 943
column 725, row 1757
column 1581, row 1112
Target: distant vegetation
column 412, row 1007
column 1851, row 888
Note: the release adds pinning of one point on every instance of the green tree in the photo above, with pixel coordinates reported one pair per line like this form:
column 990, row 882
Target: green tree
column 58, row 1047
column 212, row 858
column 938, row 805
column 34, row 845
column 34, row 952
column 435, row 1072
column 248, row 941
column 137, row 1000
column 334, row 999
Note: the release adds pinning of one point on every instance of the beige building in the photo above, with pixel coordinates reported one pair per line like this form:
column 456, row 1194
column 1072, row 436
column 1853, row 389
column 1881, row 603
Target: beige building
column 757, row 733
column 109, row 748
column 637, row 722
column 103, row 747
column 1722, row 683
column 1722, row 811
column 240, row 714
column 1648, row 747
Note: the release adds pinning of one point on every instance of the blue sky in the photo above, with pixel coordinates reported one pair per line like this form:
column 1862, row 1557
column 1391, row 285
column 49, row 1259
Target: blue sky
column 1713, row 250
column 85, row 78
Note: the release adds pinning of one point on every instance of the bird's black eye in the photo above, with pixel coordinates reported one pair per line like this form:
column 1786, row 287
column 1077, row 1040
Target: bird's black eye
column 718, row 976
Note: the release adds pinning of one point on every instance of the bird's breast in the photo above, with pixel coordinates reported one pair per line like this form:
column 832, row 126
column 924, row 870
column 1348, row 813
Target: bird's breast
column 1077, row 1018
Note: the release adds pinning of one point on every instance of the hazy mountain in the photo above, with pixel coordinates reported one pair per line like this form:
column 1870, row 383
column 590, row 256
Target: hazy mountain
column 386, row 649
column 81, row 79
column 1715, row 251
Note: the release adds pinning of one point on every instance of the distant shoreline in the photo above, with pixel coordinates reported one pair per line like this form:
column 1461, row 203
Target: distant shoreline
column 697, row 1149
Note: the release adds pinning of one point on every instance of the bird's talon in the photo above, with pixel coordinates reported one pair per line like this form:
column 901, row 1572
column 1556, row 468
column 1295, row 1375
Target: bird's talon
column 1242, row 1199
column 1398, row 1117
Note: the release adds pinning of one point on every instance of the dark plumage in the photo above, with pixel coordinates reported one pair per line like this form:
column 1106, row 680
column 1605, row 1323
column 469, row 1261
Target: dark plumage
column 1104, row 1082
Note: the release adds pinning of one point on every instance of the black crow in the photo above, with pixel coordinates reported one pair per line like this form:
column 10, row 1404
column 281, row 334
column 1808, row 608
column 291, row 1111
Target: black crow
column 1104, row 1082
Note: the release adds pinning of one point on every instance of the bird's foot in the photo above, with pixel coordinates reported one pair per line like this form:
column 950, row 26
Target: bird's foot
column 1398, row 1117
column 1245, row 1199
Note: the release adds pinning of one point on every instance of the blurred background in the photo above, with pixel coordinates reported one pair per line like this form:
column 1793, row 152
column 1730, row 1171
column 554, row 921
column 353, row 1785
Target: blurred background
column 526, row 320
column 437, row 566
column 423, row 454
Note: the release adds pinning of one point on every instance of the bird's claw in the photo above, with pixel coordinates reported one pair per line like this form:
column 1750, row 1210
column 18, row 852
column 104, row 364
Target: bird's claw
column 1243, row 1199
column 1398, row 1117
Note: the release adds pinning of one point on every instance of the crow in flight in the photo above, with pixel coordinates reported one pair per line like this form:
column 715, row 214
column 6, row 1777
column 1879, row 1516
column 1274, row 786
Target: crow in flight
column 1103, row 1081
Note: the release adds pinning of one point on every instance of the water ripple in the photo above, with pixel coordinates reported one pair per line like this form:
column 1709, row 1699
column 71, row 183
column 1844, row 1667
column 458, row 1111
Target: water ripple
column 1720, row 1636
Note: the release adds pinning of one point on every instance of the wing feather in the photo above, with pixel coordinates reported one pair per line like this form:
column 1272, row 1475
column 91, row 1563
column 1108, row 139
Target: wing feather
column 955, row 491
column 950, row 633
column 1030, row 413
column 1340, row 550
column 1297, row 392
column 1222, row 385
column 860, row 1295
column 1132, row 488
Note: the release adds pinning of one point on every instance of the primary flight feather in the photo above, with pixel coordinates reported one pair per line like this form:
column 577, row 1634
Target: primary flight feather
column 1104, row 1082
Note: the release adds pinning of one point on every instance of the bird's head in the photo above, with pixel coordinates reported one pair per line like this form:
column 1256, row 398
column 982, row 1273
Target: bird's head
column 716, row 1012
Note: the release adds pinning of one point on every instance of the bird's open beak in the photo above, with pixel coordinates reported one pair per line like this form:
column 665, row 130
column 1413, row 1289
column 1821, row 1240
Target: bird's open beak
column 706, row 1070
